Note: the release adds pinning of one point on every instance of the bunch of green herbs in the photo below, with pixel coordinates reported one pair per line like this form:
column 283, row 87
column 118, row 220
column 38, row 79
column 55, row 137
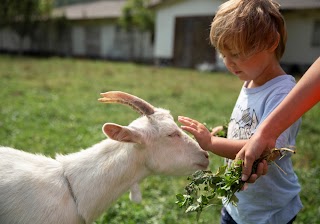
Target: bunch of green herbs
column 205, row 185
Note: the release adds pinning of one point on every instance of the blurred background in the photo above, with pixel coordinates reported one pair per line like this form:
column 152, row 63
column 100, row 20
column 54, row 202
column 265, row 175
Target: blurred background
column 161, row 32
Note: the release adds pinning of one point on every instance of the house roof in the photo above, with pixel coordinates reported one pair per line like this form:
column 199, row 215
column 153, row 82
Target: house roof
column 299, row 4
column 108, row 9
column 93, row 10
column 284, row 4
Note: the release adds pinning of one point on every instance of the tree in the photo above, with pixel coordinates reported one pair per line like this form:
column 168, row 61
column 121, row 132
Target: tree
column 22, row 16
column 136, row 15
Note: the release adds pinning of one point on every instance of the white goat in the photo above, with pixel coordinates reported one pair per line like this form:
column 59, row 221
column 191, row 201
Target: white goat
column 78, row 187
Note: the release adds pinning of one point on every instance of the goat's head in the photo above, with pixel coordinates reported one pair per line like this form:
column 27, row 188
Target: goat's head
column 168, row 149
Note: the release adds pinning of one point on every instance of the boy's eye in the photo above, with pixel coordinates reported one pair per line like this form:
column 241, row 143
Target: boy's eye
column 235, row 55
column 232, row 55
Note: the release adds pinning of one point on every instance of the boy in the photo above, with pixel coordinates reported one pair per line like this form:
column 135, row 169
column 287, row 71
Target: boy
column 251, row 35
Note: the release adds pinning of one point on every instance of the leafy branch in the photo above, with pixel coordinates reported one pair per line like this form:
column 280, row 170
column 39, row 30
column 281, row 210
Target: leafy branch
column 204, row 186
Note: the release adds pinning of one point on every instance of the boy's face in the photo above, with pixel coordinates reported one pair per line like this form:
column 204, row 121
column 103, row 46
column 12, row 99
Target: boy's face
column 255, row 67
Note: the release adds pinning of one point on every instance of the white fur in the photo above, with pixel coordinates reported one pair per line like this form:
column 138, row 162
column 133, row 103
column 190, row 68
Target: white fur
column 34, row 188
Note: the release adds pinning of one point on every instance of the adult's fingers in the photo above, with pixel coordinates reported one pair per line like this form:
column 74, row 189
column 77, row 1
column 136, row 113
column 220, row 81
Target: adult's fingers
column 262, row 169
column 253, row 177
column 265, row 167
column 248, row 161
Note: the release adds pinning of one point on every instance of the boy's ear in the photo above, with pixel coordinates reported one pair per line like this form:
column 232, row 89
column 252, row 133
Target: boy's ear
column 121, row 133
column 275, row 44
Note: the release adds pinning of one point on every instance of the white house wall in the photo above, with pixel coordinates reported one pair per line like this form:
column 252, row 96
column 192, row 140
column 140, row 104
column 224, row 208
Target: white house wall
column 299, row 49
column 165, row 22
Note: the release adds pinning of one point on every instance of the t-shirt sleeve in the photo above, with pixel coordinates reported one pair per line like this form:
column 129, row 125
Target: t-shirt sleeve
column 287, row 138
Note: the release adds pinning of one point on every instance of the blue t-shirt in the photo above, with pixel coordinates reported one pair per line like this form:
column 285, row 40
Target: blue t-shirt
column 274, row 197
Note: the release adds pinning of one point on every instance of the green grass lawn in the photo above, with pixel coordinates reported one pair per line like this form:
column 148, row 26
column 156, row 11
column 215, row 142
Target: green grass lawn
column 50, row 106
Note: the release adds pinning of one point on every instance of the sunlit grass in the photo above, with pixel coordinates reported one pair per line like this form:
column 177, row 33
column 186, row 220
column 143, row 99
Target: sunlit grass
column 50, row 106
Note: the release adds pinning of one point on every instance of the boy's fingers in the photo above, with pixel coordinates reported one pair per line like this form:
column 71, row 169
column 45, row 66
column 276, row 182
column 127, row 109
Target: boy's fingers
column 215, row 130
column 186, row 121
column 185, row 118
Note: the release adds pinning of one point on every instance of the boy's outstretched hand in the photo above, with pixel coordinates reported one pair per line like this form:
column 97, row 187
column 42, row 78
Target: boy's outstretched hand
column 204, row 137
column 198, row 130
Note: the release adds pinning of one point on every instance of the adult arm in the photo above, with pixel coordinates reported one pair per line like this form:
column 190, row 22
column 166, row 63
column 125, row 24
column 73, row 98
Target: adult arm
column 301, row 98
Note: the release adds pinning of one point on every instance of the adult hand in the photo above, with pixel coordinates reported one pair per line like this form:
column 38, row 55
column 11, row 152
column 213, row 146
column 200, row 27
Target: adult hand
column 252, row 151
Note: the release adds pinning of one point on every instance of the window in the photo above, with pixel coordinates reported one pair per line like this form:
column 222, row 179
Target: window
column 93, row 41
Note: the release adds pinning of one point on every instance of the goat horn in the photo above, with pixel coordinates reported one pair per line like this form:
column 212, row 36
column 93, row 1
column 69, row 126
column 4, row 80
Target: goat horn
column 143, row 107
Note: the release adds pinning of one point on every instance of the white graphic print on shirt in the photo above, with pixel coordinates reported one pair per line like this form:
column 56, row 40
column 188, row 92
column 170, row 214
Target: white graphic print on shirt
column 244, row 126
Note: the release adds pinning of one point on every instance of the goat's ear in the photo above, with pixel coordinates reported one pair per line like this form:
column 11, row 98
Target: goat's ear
column 121, row 133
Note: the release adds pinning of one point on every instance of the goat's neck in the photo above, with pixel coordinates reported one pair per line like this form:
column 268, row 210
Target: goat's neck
column 102, row 173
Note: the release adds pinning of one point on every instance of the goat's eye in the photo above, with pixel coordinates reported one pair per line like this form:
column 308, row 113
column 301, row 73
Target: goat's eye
column 174, row 134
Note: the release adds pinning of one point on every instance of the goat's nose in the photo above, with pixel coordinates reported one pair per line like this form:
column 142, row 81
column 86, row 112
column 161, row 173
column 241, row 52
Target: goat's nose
column 206, row 154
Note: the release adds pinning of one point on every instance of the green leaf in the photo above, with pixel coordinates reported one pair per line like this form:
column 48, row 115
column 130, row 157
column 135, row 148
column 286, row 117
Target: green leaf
column 221, row 170
column 180, row 197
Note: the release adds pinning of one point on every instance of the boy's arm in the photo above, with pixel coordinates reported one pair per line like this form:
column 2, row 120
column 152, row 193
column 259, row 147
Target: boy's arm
column 227, row 148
